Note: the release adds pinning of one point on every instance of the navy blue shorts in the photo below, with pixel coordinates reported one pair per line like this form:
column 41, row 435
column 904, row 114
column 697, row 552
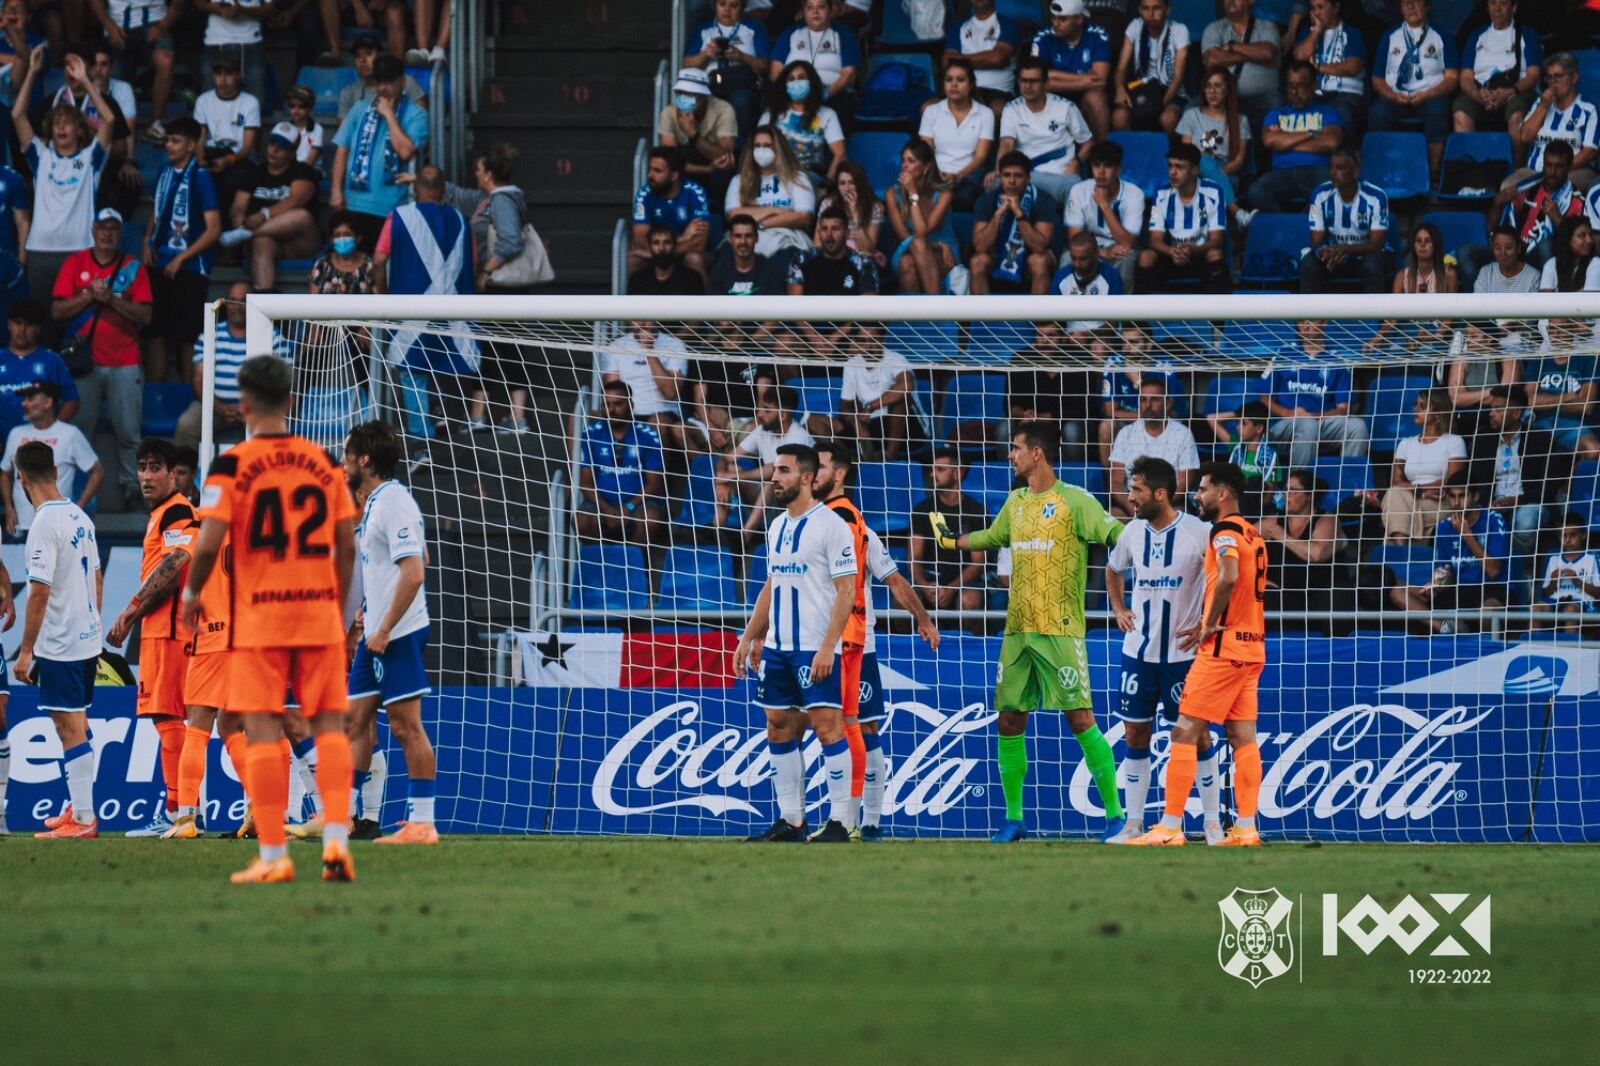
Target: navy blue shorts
column 66, row 686
column 1145, row 685
column 785, row 682
column 398, row 674
column 871, row 690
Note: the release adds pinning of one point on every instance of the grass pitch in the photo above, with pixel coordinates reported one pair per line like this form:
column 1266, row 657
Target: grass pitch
column 655, row 950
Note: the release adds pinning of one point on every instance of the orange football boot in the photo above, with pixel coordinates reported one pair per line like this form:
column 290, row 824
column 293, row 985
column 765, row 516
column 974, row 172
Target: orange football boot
column 1160, row 836
column 337, row 864
column 411, row 833
column 263, row 872
column 1240, row 838
column 70, row 830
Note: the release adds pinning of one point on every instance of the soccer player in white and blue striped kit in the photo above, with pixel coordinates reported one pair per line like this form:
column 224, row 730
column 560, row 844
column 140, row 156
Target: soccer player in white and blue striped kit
column 1165, row 549
column 801, row 612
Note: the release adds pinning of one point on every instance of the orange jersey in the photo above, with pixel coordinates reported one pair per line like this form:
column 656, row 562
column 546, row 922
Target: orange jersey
column 282, row 500
column 172, row 526
column 1243, row 637
column 855, row 630
column 216, row 605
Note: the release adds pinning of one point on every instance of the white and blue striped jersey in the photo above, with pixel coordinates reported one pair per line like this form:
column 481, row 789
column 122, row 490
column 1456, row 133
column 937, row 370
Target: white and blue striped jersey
column 389, row 532
column 1169, row 585
column 1578, row 125
column 880, row 567
column 1349, row 221
column 804, row 556
column 63, row 556
column 1335, row 45
column 1192, row 221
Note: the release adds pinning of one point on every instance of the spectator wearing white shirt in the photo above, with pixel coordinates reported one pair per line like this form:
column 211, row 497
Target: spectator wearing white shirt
column 233, row 32
column 832, row 49
column 989, row 41
column 774, row 191
column 811, row 127
column 309, row 134
column 1571, row 576
column 654, row 365
column 1349, row 223
column 1501, row 67
column 1413, row 503
column 1338, row 54
column 230, row 120
column 1187, row 225
column 775, row 425
column 960, row 130
column 1155, row 433
column 140, row 34
column 1574, row 267
column 1048, row 129
column 1147, row 88
column 120, row 180
column 1110, row 209
column 732, row 50
column 1559, row 114
column 1414, row 76
column 71, row 449
column 878, row 402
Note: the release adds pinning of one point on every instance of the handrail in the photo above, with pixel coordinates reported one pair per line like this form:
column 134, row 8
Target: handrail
column 641, row 161
column 619, row 274
column 663, row 93
column 680, row 33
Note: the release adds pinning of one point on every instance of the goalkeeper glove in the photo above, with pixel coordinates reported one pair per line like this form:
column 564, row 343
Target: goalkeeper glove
column 941, row 531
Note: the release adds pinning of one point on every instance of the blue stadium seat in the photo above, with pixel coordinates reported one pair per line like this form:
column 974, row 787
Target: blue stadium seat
column 895, row 31
column 151, row 159
column 1182, row 337
column 989, row 483
column 1477, row 148
column 1195, row 14
column 896, row 96
column 1144, row 159
column 962, row 222
column 1458, row 228
column 972, row 398
column 879, row 154
column 1588, row 73
column 610, row 577
column 755, row 573
column 1023, row 10
column 887, row 493
column 997, row 342
column 1407, row 564
column 327, row 83
column 699, row 496
column 1397, row 163
column 818, row 395
column 1090, row 477
column 1390, row 408
column 438, row 96
column 1343, row 477
column 1229, row 392
column 1583, row 495
column 133, row 236
column 925, row 342
column 1243, row 338
column 1272, row 248
column 696, row 579
column 164, row 402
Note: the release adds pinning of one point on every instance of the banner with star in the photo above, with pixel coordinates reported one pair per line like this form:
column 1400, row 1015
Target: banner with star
column 628, row 660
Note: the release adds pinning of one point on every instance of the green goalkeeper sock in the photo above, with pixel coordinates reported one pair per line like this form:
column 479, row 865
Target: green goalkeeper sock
column 1097, row 756
column 1013, row 771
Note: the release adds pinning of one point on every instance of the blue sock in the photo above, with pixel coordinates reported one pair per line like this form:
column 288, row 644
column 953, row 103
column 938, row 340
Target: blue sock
column 873, row 741
column 304, row 747
column 420, row 803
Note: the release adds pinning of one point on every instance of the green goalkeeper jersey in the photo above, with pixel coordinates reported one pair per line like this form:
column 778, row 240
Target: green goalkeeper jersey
column 1049, row 534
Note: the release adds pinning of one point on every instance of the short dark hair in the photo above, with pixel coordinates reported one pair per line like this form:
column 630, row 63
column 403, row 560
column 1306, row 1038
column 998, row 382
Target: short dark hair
column 617, row 385
column 949, row 453
column 840, row 453
column 1041, row 435
column 660, row 227
column 36, row 461
column 1158, row 380
column 1033, row 63
column 805, row 456
column 267, row 380
column 1255, row 411
column 385, row 68
column 1573, row 519
column 1561, row 148
column 377, row 442
column 49, row 388
column 186, row 455
column 1107, row 153
column 1460, row 479
column 1303, row 476
column 183, row 126
column 1158, row 474
column 1184, row 152
column 1504, row 230
column 1228, row 475
column 27, row 309
column 670, row 155
column 1346, row 153
column 742, row 220
column 1014, row 158
column 783, row 398
column 159, row 449
column 836, row 213
column 1301, row 66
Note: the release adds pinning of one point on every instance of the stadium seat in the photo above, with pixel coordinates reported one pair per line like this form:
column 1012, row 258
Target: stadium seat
column 895, row 88
column 1025, row 10
column 1272, row 248
column 610, row 577
column 925, row 342
column 1476, row 148
column 1090, row 477
column 1244, row 338
column 1182, row 337
column 879, row 154
column 327, row 83
column 971, row 398
column 1588, row 73
column 1407, row 564
column 1397, row 163
column 696, row 579
column 818, row 395
column 1390, row 409
column 164, row 402
column 887, row 493
column 699, row 496
column 895, row 31
column 1458, row 228
column 962, row 222
column 989, row 483
column 755, row 573
column 1583, row 495
column 1229, row 391
column 438, row 96
column 1195, row 14
column 1144, row 159
column 997, row 342
column 1343, row 477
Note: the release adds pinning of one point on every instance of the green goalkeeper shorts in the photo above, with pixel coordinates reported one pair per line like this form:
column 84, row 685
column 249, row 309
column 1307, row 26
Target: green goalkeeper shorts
column 1041, row 673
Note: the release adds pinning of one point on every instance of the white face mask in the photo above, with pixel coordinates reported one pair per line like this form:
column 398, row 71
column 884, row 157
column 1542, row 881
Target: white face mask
column 763, row 156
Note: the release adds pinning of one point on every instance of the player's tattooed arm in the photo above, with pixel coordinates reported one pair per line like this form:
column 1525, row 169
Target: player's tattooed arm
column 159, row 587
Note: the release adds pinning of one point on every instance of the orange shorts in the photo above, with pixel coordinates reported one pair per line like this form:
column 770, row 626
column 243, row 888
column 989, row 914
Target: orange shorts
column 162, row 669
column 259, row 679
column 207, row 683
column 850, row 678
column 1221, row 690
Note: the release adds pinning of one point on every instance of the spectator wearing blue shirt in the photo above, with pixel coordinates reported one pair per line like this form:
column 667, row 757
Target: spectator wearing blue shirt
column 1470, row 549
column 989, row 41
column 680, row 205
column 1011, row 238
column 25, row 362
column 15, row 211
column 181, row 245
column 622, row 476
column 1561, row 390
column 1301, row 137
column 1338, row 54
column 732, row 50
column 829, row 47
column 1078, row 55
column 378, row 140
column 1500, row 73
column 1414, row 76
column 13, row 281
column 1308, row 395
column 1349, row 223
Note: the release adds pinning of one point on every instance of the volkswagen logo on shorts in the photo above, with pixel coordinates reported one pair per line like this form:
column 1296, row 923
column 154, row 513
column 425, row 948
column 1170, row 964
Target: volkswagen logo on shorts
column 804, row 674
column 865, row 692
column 1068, row 676
column 1175, row 694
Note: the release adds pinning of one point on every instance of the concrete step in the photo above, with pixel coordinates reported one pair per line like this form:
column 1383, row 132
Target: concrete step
column 564, row 167
column 621, row 25
column 555, row 100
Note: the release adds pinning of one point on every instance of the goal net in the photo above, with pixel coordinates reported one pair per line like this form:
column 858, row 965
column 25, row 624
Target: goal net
column 1422, row 469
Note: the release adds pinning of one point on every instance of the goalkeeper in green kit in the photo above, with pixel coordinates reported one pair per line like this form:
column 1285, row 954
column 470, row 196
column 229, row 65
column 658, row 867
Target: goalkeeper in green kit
column 1044, row 664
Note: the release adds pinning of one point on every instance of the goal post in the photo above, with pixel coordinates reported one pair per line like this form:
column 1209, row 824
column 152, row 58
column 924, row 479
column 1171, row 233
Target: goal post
column 1420, row 689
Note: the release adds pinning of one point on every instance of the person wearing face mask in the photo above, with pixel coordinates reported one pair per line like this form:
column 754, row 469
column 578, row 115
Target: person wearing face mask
column 811, row 127
column 705, row 128
column 344, row 269
column 775, row 193
column 830, row 48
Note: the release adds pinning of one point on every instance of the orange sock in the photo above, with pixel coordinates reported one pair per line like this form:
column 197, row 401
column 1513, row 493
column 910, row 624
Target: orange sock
column 858, row 758
column 170, row 731
column 286, row 757
column 1246, row 778
column 269, row 792
column 236, row 748
column 334, row 769
column 1181, row 768
column 192, row 766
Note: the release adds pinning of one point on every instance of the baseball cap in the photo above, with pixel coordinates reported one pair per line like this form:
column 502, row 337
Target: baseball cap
column 368, row 42
column 692, row 80
column 108, row 214
column 284, row 135
column 1067, row 8
column 49, row 388
column 225, row 61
